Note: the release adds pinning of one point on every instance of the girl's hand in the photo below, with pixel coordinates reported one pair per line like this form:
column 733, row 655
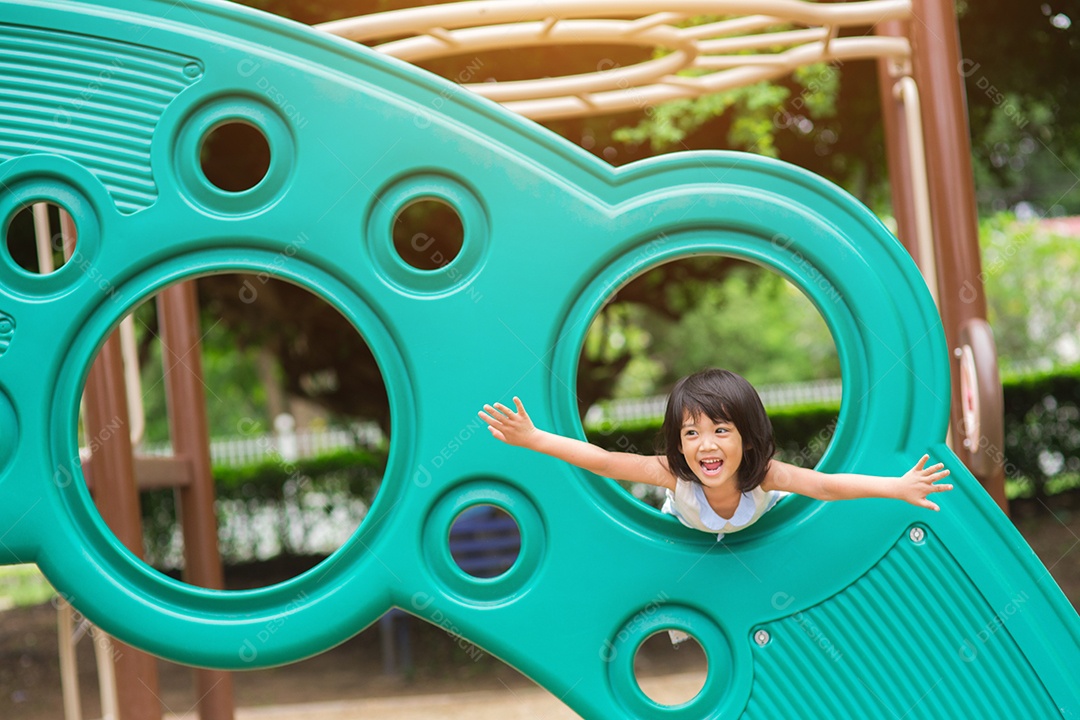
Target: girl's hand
column 513, row 428
column 918, row 482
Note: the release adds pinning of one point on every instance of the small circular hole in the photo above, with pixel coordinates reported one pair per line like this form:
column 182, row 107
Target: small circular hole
column 41, row 237
column 428, row 234
column 485, row 541
column 670, row 667
column 235, row 156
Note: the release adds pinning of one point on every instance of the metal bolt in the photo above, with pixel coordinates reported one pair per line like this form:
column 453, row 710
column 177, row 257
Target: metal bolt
column 916, row 534
column 761, row 637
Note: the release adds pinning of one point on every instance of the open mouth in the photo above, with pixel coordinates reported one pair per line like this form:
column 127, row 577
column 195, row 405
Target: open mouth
column 710, row 467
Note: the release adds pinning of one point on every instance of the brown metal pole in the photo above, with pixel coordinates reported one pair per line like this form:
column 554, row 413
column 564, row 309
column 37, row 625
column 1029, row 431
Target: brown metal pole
column 117, row 497
column 896, row 143
column 938, row 72
column 182, row 354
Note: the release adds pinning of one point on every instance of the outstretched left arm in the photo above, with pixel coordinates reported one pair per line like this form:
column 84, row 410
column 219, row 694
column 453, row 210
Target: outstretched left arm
column 912, row 487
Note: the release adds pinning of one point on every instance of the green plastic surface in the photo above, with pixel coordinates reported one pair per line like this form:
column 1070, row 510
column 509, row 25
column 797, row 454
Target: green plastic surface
column 103, row 107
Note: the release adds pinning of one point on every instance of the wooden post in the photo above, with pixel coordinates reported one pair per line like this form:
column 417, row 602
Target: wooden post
column 938, row 72
column 117, row 498
column 69, row 661
column 182, row 354
column 897, row 153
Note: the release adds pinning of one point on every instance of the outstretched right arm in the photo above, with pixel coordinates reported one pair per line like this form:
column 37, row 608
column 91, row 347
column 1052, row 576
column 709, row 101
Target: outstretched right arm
column 516, row 428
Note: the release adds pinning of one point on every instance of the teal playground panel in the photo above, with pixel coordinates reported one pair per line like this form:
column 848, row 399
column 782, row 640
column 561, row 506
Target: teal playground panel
column 869, row 608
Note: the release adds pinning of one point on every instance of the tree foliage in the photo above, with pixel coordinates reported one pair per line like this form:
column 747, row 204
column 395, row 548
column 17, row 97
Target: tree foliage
column 234, row 391
column 1034, row 313
column 1021, row 61
column 322, row 357
column 758, row 113
column 677, row 317
column 748, row 320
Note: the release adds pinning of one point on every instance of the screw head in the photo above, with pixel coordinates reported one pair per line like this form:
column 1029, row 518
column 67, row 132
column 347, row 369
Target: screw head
column 917, row 534
column 761, row 637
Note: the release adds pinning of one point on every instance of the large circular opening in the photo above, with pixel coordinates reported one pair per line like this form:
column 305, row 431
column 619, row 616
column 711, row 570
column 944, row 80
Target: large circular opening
column 280, row 391
column 690, row 314
column 41, row 237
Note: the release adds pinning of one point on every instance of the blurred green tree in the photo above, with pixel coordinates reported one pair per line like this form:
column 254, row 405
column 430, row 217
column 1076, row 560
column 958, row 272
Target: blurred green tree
column 1020, row 65
column 1035, row 314
column 824, row 118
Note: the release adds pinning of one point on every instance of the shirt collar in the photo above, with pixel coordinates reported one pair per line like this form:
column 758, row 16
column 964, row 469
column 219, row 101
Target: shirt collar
column 714, row 521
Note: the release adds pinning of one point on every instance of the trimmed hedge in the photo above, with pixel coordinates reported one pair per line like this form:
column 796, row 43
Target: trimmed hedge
column 1042, row 430
column 1042, row 427
column 273, row 507
column 301, row 500
column 361, row 470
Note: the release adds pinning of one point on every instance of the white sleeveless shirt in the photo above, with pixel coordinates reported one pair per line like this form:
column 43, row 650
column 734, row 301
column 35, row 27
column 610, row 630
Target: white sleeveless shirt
column 689, row 505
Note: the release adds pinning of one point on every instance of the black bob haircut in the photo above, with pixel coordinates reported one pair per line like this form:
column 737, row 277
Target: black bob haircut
column 727, row 397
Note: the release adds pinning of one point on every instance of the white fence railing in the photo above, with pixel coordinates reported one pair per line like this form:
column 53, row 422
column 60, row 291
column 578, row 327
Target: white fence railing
column 286, row 444
column 773, row 396
column 292, row 445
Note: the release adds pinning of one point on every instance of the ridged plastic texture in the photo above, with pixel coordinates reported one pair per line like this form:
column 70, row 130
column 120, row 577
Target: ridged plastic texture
column 873, row 649
column 550, row 232
column 91, row 99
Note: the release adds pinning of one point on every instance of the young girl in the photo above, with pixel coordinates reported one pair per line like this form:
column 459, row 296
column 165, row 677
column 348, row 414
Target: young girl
column 717, row 467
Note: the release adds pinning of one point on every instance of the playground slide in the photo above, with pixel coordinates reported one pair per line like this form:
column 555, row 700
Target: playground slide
column 868, row 608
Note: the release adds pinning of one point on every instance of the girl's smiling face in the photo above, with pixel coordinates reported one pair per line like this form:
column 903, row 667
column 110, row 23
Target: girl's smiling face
column 713, row 449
